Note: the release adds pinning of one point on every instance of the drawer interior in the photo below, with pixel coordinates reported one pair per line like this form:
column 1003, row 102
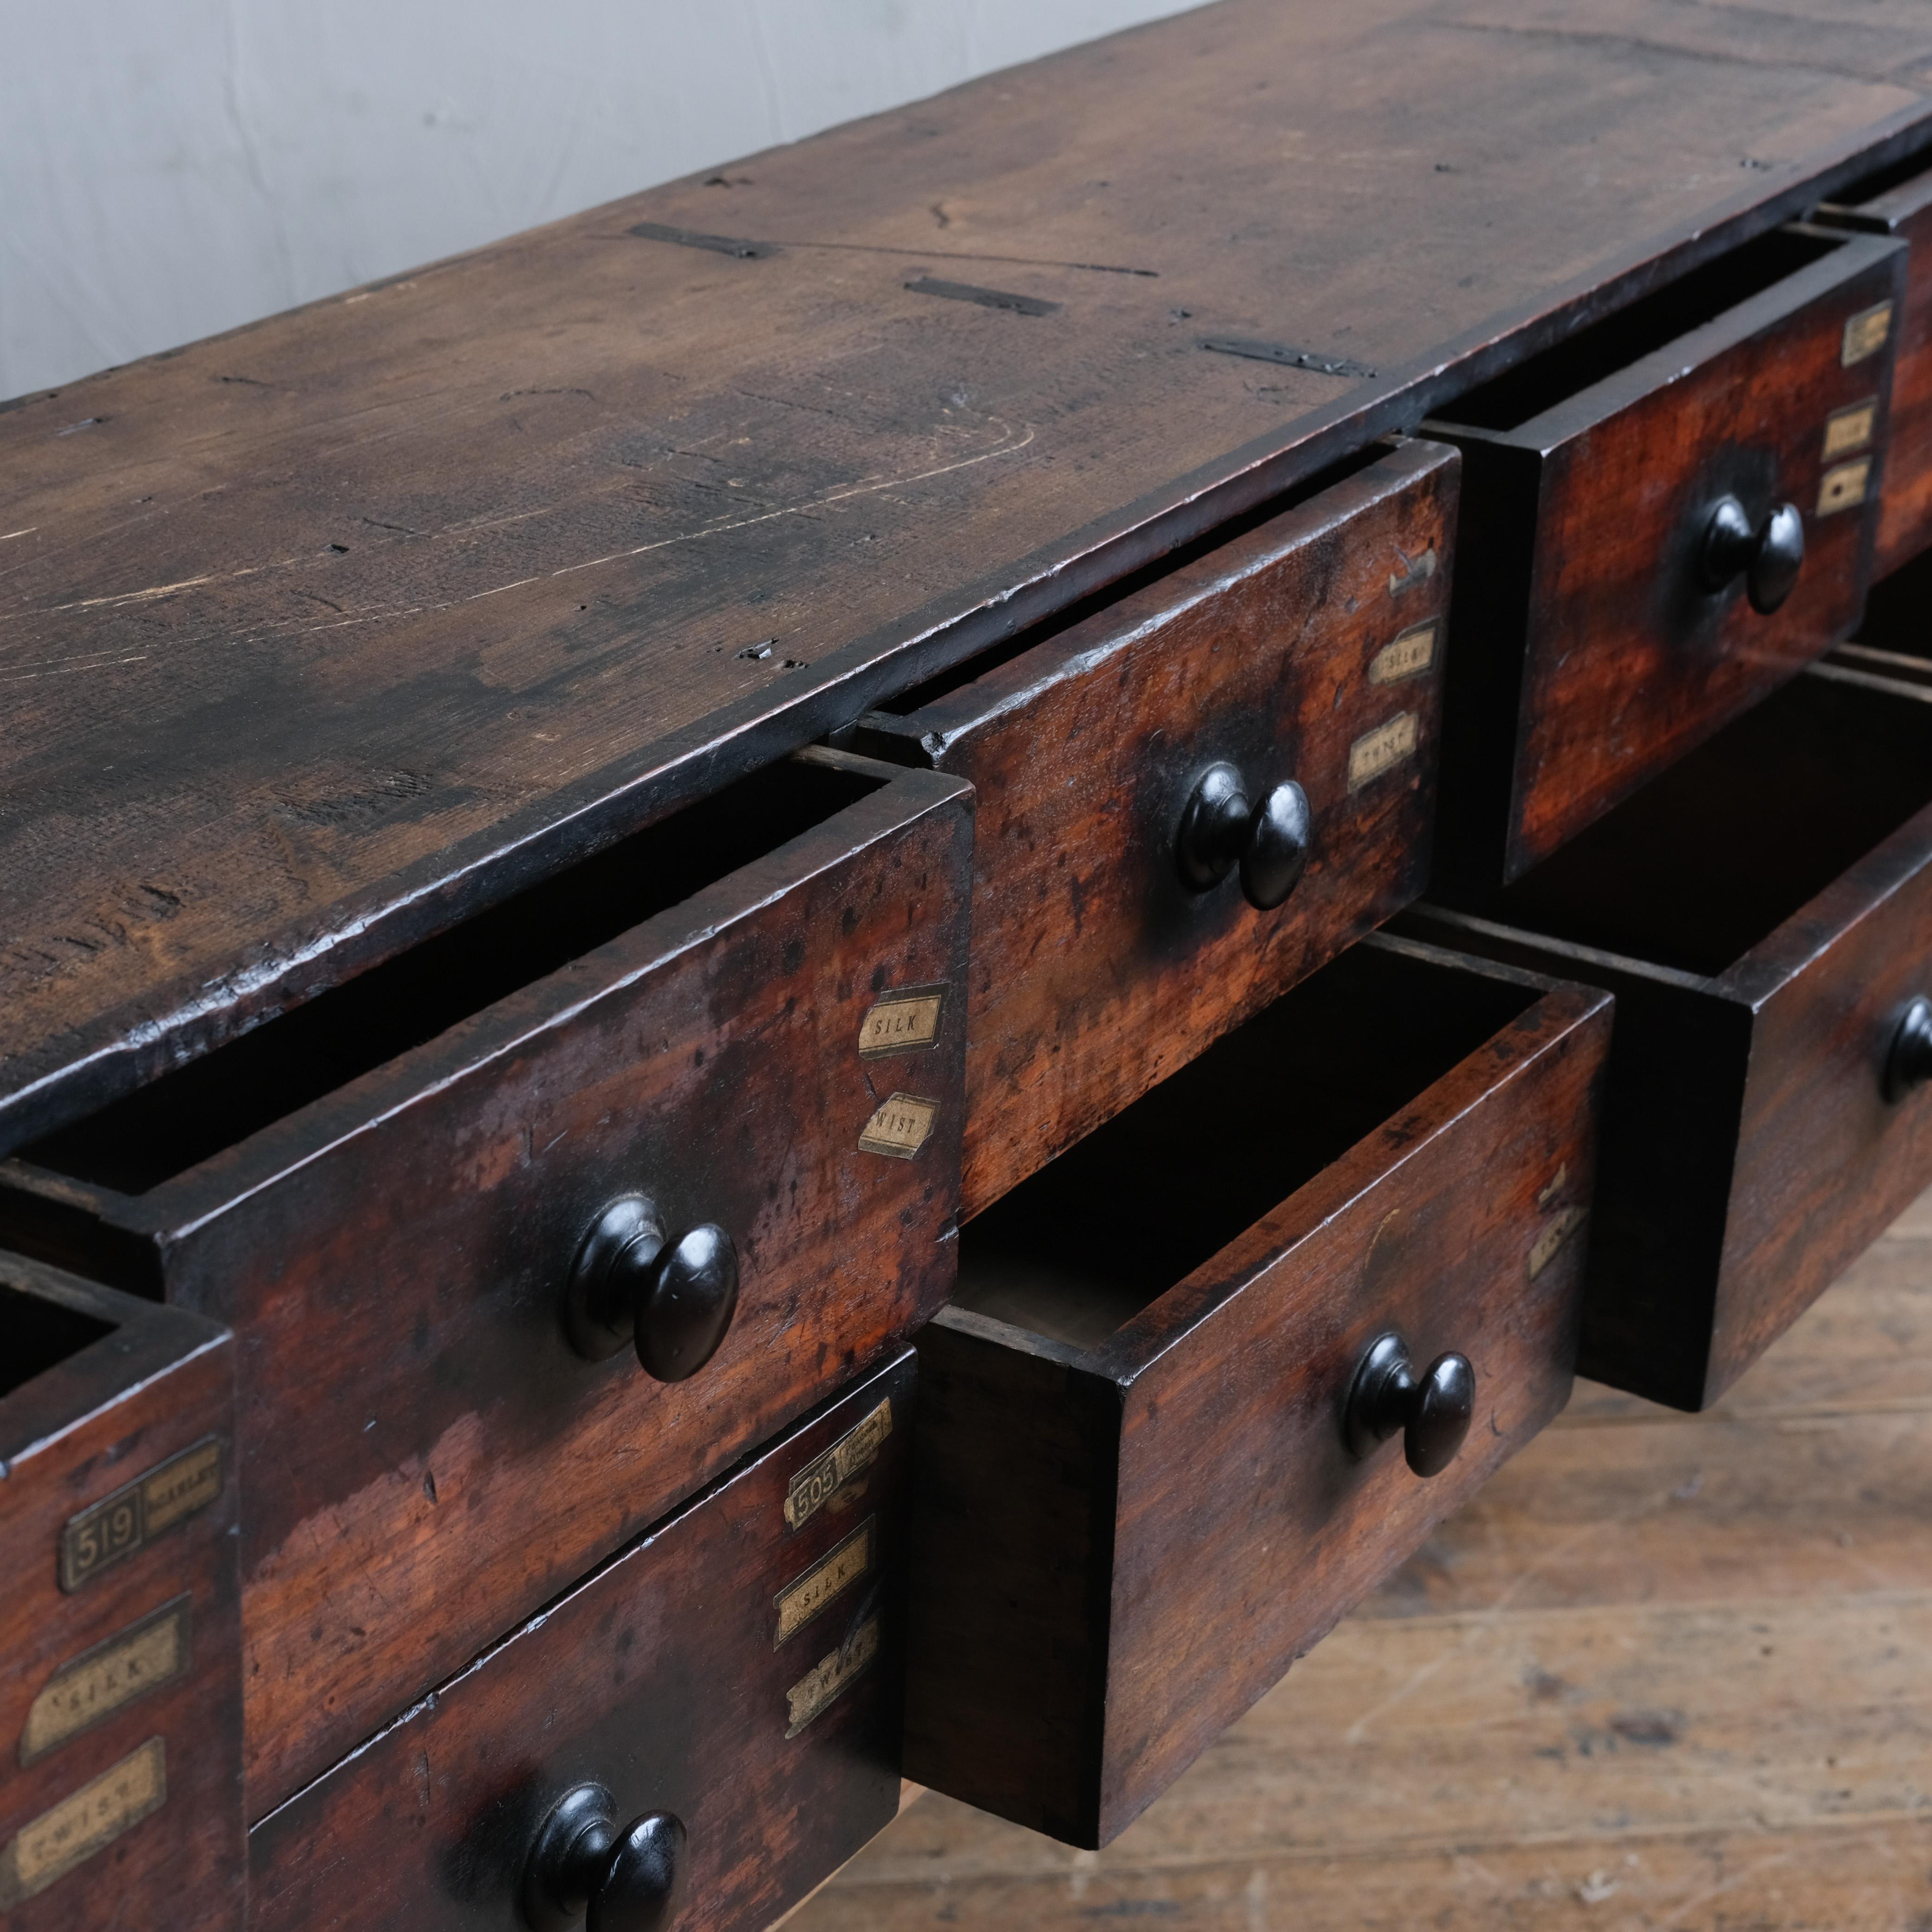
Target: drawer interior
column 1600, row 350
column 1710, row 858
column 180, row 1119
column 1098, row 1233
column 1898, row 613
column 40, row 1334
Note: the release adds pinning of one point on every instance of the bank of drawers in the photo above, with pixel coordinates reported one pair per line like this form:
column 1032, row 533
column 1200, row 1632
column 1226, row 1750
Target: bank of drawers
column 1273, row 1237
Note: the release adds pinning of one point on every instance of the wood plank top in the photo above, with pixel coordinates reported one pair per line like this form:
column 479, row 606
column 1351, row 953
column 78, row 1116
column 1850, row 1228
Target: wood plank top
column 322, row 634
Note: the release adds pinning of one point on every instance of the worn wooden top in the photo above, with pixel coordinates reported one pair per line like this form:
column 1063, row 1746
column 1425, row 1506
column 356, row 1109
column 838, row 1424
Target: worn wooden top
column 320, row 634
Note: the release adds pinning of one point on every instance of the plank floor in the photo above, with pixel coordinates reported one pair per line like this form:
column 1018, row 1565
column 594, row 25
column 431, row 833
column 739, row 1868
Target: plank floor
column 1667, row 1672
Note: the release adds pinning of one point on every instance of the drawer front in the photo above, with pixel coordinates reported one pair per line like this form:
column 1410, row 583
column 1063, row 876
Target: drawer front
column 1905, row 511
column 1309, row 650
column 1119, row 1547
column 781, row 1056
column 738, row 1669
column 120, row 1700
column 1595, row 618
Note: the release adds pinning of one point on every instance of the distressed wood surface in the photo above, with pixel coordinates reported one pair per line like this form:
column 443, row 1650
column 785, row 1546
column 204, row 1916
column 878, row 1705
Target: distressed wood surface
column 1096, row 971
column 318, row 635
column 1666, row 1674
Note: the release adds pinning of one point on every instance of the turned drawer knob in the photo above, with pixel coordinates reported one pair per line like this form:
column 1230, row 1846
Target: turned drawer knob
column 583, row 1866
column 1768, row 558
column 1432, row 1415
column 1221, row 827
column 1909, row 1062
column 672, row 1299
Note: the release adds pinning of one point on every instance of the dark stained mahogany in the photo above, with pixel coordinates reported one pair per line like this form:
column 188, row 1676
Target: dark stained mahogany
column 1900, row 204
column 323, row 635
column 1138, row 1498
column 1663, row 520
column 733, row 1668
column 427, row 1457
column 120, row 1698
column 1763, row 914
column 1305, row 652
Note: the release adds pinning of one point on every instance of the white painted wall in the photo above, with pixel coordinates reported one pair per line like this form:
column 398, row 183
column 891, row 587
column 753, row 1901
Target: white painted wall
column 169, row 168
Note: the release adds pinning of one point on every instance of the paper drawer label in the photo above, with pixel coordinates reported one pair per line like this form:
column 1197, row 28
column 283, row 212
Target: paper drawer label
column 1865, row 333
column 83, row 1823
column 1548, row 1244
column 824, row 1476
column 1408, row 656
column 1849, row 429
column 1844, row 486
column 101, row 1681
column 907, row 1021
column 1382, row 749
column 138, row 1512
column 833, row 1574
column 832, row 1676
column 900, row 1128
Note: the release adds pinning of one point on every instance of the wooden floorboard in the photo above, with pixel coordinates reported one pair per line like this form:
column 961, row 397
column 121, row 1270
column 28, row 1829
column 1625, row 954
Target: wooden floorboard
column 1669, row 1673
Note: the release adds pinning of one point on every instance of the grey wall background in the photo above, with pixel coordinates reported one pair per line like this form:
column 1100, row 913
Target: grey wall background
column 169, row 168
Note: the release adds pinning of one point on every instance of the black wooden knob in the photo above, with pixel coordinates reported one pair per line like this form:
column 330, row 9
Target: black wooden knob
column 672, row 1300
column 1432, row 1415
column 1908, row 1064
column 1221, row 827
column 1769, row 557
column 583, row 1866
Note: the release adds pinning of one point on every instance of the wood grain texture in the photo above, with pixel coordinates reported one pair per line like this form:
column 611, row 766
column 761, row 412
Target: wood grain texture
column 1663, row 1672
column 665, row 1678
column 1902, row 207
column 326, row 633
column 1763, row 913
column 1594, row 653
column 1122, row 1541
column 98, row 1390
column 1095, row 971
column 395, row 1256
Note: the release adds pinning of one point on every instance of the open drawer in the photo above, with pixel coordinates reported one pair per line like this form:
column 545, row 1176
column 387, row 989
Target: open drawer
column 1155, row 1462
column 692, row 1738
column 1663, row 518
column 1291, row 673
column 121, row 1703
column 418, row 1200
column 1763, row 913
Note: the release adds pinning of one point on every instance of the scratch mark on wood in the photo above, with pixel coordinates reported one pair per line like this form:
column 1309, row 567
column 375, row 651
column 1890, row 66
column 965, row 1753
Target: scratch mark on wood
column 1280, row 351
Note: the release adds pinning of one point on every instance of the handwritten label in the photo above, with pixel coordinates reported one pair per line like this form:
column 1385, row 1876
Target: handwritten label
column 1561, row 1226
column 83, row 1823
column 902, row 1022
column 137, row 1513
column 900, row 1128
column 1865, row 333
column 101, row 1681
column 824, row 1476
column 1849, row 429
column 1844, row 486
column 832, row 1676
column 1381, row 750
column 801, row 1600
column 1408, row 656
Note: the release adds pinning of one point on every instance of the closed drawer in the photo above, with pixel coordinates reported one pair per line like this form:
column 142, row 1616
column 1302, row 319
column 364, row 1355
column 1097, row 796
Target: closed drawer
column 120, row 1698
column 1305, row 653
column 1899, row 203
column 1763, row 914
column 749, row 1015
column 1139, row 1499
column 734, row 1675
column 1633, row 502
